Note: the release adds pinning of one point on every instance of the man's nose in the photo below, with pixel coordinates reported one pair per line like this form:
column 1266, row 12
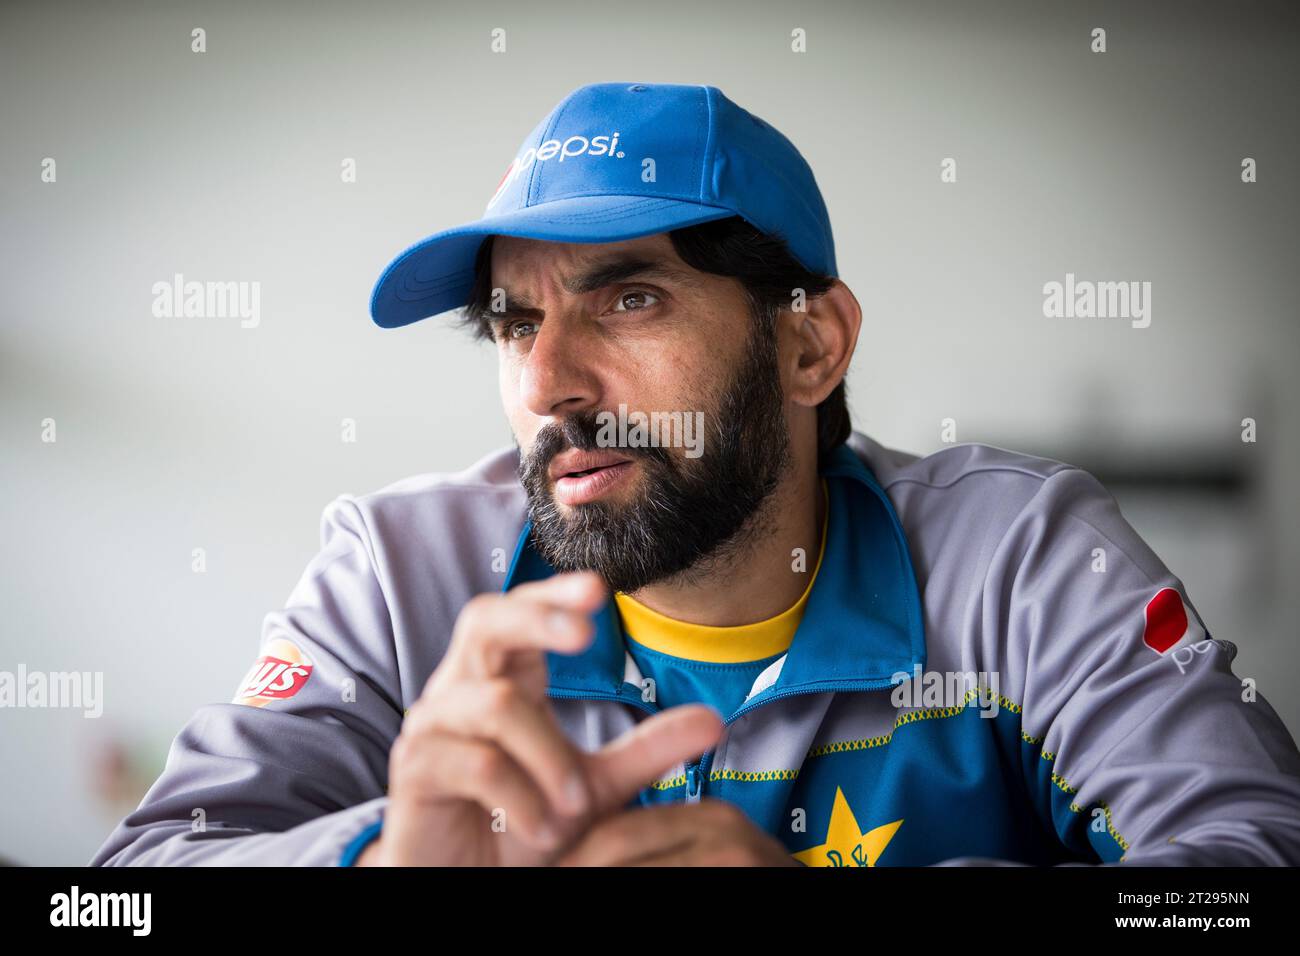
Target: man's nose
column 558, row 376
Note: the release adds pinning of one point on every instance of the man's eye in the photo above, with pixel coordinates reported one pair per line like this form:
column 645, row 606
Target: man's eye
column 513, row 329
column 638, row 299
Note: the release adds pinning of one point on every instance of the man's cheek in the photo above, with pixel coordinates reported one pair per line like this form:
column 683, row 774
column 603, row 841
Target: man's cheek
column 508, row 381
column 523, row 426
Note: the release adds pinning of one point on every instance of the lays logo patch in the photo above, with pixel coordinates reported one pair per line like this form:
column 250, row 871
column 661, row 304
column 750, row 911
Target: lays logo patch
column 278, row 674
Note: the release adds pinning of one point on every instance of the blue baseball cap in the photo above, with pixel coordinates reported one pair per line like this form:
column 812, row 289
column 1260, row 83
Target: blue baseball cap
column 618, row 161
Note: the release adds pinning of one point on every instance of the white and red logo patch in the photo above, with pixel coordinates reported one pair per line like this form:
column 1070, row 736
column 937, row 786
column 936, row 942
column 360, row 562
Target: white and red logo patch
column 278, row 674
column 1170, row 623
column 576, row 145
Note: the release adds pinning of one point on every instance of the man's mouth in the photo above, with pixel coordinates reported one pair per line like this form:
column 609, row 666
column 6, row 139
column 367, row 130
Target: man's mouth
column 582, row 476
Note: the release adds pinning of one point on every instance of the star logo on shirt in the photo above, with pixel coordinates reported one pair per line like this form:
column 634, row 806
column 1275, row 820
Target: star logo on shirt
column 846, row 844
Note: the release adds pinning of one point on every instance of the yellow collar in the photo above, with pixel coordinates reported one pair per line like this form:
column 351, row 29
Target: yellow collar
column 719, row 645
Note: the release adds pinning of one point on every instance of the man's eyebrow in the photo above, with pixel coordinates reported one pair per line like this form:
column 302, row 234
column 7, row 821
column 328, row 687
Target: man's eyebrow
column 610, row 271
column 599, row 275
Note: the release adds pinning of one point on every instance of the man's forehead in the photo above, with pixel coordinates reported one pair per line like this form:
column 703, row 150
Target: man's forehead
column 512, row 248
column 517, row 262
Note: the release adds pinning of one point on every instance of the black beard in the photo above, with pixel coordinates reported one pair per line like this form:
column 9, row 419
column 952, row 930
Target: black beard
column 691, row 515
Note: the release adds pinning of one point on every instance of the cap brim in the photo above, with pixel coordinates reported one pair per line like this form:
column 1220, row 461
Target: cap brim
column 437, row 274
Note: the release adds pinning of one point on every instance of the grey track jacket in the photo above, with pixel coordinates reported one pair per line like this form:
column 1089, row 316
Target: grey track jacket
column 1105, row 725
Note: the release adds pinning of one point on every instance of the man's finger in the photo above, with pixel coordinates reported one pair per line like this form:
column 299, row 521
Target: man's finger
column 620, row 769
column 638, row 836
column 580, row 590
column 482, row 773
column 492, row 627
column 499, row 712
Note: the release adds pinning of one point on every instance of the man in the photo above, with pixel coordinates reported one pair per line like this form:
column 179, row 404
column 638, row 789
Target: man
column 764, row 639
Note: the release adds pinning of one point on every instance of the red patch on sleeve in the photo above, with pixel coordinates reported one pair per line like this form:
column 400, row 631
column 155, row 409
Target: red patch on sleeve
column 1166, row 620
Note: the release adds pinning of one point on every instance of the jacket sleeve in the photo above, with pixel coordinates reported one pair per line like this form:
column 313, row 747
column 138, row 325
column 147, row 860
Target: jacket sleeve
column 294, row 770
column 1138, row 742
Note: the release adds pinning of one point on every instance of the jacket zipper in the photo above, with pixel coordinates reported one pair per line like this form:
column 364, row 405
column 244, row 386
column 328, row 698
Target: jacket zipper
column 697, row 775
column 702, row 768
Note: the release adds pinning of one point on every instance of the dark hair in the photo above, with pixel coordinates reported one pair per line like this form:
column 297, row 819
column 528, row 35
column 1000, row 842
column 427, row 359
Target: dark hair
column 766, row 270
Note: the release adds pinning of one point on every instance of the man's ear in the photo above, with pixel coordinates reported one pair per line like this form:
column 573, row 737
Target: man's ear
column 821, row 340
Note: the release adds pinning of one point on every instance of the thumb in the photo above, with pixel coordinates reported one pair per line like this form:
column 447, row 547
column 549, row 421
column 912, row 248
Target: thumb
column 620, row 769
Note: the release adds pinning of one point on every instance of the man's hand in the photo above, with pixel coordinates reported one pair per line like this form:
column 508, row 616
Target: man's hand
column 708, row 833
column 482, row 774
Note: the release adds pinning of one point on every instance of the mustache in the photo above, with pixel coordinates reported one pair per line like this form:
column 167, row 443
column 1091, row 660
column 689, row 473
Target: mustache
column 579, row 431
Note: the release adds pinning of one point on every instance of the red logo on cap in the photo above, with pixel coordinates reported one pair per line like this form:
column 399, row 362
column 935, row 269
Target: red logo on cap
column 496, row 194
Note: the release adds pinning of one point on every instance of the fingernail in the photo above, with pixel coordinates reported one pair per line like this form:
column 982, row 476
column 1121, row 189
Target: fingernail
column 575, row 793
column 560, row 622
column 548, row 836
column 584, row 582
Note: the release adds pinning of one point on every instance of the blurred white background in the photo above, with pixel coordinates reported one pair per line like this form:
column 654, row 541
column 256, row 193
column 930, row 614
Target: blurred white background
column 176, row 434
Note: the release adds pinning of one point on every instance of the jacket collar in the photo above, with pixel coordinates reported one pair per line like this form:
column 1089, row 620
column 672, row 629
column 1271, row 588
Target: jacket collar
column 862, row 624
